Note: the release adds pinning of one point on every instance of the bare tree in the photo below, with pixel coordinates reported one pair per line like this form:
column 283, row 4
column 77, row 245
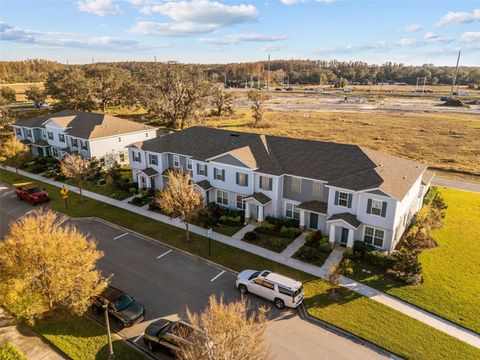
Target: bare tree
column 179, row 199
column 257, row 98
column 76, row 168
column 222, row 101
column 13, row 152
column 175, row 92
column 230, row 331
column 47, row 266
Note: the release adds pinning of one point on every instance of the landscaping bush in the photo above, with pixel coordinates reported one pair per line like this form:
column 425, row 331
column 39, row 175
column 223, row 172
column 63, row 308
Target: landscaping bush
column 313, row 255
column 432, row 192
column 126, row 185
column 346, row 267
column 362, row 248
column 266, row 227
column 379, row 259
column 291, row 223
column 230, row 220
column 137, row 201
column 406, row 267
column 250, row 236
column 313, row 238
column 10, row 352
column 60, row 177
column 290, row 231
column 352, row 255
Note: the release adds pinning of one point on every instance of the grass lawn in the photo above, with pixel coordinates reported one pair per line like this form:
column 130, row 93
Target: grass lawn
column 106, row 190
column 84, row 339
column 448, row 142
column 10, row 352
column 228, row 230
column 381, row 325
column 451, row 271
column 223, row 254
column 271, row 241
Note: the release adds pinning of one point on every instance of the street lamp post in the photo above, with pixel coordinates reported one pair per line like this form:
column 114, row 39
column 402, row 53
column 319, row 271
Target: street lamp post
column 111, row 355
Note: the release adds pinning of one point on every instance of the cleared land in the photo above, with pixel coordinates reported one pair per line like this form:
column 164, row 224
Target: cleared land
column 452, row 285
column 446, row 142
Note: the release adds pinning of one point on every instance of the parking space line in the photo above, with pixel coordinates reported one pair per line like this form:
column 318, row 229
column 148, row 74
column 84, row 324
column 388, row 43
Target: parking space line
column 165, row 253
column 137, row 338
column 216, row 277
column 119, row 236
column 26, row 214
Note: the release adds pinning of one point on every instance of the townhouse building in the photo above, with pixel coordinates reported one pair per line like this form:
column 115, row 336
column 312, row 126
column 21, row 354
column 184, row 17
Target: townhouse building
column 346, row 191
column 91, row 135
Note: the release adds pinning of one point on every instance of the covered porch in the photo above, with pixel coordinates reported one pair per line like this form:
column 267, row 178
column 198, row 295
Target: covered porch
column 342, row 229
column 255, row 206
column 203, row 187
column 313, row 215
column 148, row 178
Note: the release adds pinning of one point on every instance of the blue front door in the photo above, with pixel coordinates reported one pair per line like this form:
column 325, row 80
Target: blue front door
column 313, row 221
column 344, row 238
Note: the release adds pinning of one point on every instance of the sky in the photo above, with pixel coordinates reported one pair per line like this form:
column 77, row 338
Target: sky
column 219, row 31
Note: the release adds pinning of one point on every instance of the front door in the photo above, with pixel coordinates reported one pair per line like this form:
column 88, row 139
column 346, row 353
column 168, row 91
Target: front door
column 313, row 221
column 344, row 238
column 152, row 183
column 254, row 211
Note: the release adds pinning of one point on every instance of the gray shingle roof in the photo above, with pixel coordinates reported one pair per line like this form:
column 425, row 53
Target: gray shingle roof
column 346, row 166
column 204, row 184
column 260, row 197
column 315, row 206
column 149, row 171
column 87, row 125
column 347, row 217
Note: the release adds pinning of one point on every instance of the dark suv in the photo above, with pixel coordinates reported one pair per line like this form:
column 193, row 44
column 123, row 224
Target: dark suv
column 121, row 306
column 168, row 334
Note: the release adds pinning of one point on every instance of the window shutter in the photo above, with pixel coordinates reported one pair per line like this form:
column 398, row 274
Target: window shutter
column 223, row 174
column 206, row 170
column 236, row 178
column 198, row 168
column 336, row 197
column 270, row 184
column 260, row 182
column 349, row 201
column 246, row 179
column 369, row 206
column 384, row 209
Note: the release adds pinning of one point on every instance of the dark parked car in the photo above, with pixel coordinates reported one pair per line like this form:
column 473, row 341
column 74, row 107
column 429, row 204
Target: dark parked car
column 32, row 193
column 124, row 309
column 167, row 334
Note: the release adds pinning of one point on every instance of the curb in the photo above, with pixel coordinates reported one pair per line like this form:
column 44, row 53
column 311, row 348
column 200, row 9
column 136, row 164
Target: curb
column 302, row 311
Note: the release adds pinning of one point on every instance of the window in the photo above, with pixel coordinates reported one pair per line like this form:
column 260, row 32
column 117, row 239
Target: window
column 219, row 174
column 29, row 133
column 75, row 143
column 317, row 189
column 242, row 179
column 136, row 156
column 18, row 131
column 153, row 159
column 84, row 145
column 176, row 161
column 61, row 138
column 373, row 236
column 296, row 185
column 119, row 139
column 343, row 199
column 264, row 283
column 222, row 197
column 50, row 135
column 266, row 183
column 189, row 165
column 377, row 207
column 291, row 211
column 55, row 152
column 240, row 202
column 202, row 169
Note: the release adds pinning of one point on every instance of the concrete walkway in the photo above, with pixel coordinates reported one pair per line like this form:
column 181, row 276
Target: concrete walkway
column 294, row 246
column 333, row 260
column 456, row 184
column 241, row 233
column 25, row 340
column 419, row 314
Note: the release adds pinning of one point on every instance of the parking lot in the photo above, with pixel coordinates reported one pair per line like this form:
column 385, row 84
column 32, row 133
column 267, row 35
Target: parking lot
column 166, row 280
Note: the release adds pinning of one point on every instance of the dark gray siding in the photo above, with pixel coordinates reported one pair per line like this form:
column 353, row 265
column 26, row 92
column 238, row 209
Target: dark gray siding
column 183, row 162
column 306, row 193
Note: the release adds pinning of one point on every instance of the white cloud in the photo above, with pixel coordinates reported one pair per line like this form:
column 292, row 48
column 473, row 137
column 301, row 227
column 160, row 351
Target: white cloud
column 412, row 28
column 99, row 7
column 430, row 36
column 470, row 36
column 11, row 33
column 291, row 2
column 237, row 38
column 459, row 18
column 192, row 17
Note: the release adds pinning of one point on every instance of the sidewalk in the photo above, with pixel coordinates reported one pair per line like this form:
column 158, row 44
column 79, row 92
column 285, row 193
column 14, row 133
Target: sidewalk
column 419, row 314
column 456, row 184
column 25, row 340
column 294, row 246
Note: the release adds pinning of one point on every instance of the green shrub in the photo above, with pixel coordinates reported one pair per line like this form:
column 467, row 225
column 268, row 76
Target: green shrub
column 291, row 223
column 138, row 201
column 313, row 238
column 266, row 227
column 362, row 248
column 132, row 190
column 312, row 255
column 346, row 267
column 290, row 231
column 352, row 255
column 250, row 236
column 406, row 267
column 379, row 259
column 10, row 352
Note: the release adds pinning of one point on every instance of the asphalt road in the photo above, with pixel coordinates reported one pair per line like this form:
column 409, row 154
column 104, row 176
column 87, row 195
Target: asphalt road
column 166, row 281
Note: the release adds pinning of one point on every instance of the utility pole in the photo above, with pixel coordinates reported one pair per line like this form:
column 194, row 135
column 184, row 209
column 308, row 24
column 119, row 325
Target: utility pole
column 268, row 73
column 154, row 59
column 455, row 74
column 423, row 88
column 111, row 356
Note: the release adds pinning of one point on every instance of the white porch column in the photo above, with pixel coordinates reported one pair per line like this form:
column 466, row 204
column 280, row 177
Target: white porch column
column 350, row 238
column 302, row 218
column 331, row 237
column 247, row 210
column 260, row 213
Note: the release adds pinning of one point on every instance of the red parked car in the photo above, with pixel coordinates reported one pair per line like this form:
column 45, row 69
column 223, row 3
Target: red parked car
column 32, row 193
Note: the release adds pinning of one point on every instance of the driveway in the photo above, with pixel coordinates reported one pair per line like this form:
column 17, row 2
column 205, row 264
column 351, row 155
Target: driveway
column 166, row 281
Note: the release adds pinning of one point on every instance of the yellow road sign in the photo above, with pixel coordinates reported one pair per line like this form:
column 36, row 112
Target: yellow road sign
column 64, row 191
